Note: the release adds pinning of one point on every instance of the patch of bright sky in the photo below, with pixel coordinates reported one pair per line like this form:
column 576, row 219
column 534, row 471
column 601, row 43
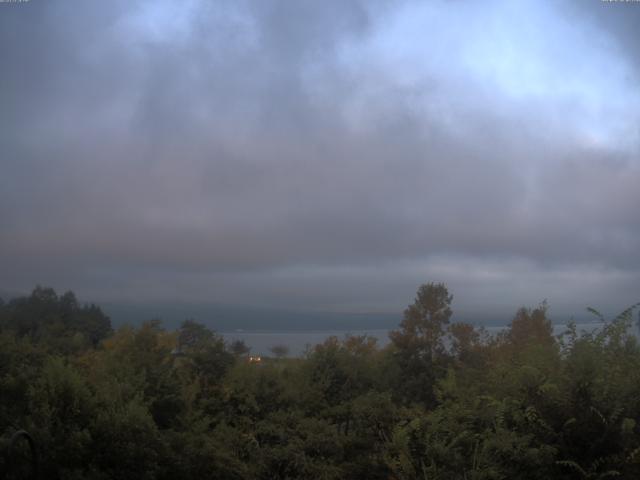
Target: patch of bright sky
column 227, row 24
column 456, row 57
column 509, row 53
column 161, row 20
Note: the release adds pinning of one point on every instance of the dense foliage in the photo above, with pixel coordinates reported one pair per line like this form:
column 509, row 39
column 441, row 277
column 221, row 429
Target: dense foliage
column 443, row 401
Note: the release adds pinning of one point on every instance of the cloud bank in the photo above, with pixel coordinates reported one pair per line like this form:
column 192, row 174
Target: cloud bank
column 322, row 155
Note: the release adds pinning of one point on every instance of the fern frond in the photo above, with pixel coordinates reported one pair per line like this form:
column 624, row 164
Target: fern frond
column 609, row 473
column 596, row 313
column 574, row 466
column 598, row 414
column 626, row 314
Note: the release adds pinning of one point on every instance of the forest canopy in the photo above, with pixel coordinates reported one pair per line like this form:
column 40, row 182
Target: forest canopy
column 443, row 400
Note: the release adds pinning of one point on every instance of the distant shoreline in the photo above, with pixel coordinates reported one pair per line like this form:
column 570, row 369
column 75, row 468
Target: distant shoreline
column 261, row 341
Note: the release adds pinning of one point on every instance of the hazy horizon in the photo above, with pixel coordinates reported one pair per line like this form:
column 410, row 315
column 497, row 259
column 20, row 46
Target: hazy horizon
column 227, row 318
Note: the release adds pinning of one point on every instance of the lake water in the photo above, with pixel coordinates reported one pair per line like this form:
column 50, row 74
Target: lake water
column 297, row 342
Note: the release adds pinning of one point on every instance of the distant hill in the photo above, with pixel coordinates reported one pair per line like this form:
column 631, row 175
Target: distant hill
column 229, row 318
column 224, row 318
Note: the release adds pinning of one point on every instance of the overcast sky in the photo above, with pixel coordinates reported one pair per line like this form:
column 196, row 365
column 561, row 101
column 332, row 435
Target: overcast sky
column 322, row 155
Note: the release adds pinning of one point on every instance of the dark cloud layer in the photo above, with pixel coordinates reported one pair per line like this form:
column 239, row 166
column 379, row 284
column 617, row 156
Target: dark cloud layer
column 321, row 155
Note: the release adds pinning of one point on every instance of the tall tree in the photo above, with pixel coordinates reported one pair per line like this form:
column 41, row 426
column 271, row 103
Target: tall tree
column 419, row 343
column 531, row 327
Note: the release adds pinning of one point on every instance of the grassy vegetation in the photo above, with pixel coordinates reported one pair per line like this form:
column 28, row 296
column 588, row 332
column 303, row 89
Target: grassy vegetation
column 441, row 401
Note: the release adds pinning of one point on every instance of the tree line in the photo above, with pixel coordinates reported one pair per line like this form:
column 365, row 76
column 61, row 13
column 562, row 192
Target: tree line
column 442, row 400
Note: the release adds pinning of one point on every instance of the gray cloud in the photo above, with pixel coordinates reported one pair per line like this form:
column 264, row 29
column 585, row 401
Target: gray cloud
column 619, row 20
column 319, row 155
